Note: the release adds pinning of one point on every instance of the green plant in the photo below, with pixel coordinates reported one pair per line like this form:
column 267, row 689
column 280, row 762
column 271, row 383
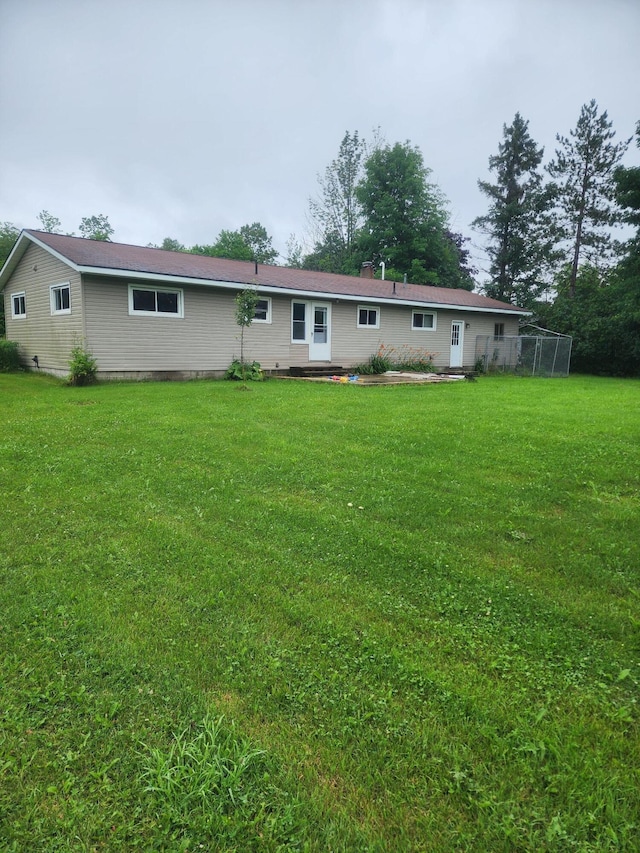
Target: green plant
column 9, row 358
column 82, row 366
column 410, row 359
column 243, row 371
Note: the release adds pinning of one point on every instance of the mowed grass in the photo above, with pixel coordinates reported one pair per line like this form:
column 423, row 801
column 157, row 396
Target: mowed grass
column 318, row 617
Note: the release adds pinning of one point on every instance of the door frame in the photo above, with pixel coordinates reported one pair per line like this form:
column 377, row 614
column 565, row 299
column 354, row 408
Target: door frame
column 456, row 353
column 319, row 351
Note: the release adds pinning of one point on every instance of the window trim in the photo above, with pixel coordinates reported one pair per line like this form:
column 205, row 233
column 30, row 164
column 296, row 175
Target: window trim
column 421, row 311
column 20, row 315
column 267, row 319
column 368, row 308
column 179, row 314
column 498, row 331
column 58, row 288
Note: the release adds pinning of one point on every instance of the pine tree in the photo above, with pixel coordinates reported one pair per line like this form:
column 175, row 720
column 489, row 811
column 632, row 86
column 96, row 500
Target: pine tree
column 520, row 244
column 584, row 169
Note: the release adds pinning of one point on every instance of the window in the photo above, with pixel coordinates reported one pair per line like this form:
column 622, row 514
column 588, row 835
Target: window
column 263, row 311
column 61, row 298
column 498, row 330
column 155, row 302
column 18, row 305
column 423, row 320
column 298, row 321
column 368, row 318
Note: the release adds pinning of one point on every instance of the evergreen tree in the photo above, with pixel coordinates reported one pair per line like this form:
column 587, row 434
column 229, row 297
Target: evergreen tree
column 520, row 241
column 584, row 169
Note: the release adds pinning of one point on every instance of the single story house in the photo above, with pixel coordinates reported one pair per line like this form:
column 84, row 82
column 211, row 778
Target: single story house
column 147, row 313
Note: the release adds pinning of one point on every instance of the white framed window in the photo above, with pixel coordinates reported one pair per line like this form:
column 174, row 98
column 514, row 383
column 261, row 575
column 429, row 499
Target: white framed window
column 298, row 322
column 498, row 330
column 263, row 310
column 423, row 321
column 368, row 317
column 18, row 306
column 60, row 298
column 156, row 301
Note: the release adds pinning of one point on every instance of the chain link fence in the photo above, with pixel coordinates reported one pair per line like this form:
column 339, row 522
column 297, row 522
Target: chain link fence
column 527, row 355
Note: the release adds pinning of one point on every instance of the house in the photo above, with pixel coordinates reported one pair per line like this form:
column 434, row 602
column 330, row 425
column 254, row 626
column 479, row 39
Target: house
column 148, row 314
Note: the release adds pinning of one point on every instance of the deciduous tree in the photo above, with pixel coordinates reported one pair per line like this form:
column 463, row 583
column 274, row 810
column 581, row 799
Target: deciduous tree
column 49, row 222
column 406, row 219
column 96, row 227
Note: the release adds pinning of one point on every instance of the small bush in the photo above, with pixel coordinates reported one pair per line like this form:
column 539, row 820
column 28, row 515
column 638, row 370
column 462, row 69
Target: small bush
column 9, row 359
column 82, row 367
column 243, row 371
column 410, row 359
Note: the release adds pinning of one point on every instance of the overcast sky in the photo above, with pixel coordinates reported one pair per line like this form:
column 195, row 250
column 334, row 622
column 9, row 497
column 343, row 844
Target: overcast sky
column 183, row 117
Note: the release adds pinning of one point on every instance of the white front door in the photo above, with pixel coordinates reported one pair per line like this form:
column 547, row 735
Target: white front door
column 457, row 335
column 320, row 344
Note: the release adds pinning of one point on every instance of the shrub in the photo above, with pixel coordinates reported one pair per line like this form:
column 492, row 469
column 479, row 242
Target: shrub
column 82, row 367
column 9, row 359
column 411, row 359
column 241, row 371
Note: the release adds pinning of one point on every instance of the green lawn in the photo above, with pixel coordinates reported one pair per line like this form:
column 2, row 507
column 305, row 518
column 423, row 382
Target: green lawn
column 320, row 617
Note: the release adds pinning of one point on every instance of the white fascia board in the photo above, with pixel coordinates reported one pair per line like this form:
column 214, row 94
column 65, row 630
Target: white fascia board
column 269, row 289
column 53, row 252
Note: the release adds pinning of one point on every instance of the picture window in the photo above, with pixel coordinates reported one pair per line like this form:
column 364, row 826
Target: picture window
column 159, row 302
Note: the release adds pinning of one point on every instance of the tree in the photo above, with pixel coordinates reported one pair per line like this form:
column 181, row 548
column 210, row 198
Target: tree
column 294, row 253
column 584, row 169
column 260, row 243
column 96, row 228
column 249, row 243
column 246, row 303
column 336, row 211
column 169, row 244
column 520, row 240
column 406, row 220
column 9, row 233
column 49, row 222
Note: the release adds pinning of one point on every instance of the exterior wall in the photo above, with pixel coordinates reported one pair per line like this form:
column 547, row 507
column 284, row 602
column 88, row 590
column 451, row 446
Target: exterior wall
column 50, row 337
column 207, row 339
column 352, row 346
column 204, row 342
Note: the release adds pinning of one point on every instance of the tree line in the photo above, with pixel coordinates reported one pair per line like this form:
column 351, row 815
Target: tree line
column 548, row 232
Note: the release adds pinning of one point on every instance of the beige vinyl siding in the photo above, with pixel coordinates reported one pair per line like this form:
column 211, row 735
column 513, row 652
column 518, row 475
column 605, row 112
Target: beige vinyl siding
column 351, row 345
column 50, row 337
column 207, row 338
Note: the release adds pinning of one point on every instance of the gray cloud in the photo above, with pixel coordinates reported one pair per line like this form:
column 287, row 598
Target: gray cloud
column 182, row 117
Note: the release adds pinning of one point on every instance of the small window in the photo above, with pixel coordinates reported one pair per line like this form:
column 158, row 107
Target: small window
column 498, row 330
column 18, row 305
column 263, row 311
column 61, row 299
column 298, row 321
column 423, row 320
column 368, row 318
column 155, row 302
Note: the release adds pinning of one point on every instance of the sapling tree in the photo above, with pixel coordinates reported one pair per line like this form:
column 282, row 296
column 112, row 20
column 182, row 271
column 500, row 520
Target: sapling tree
column 246, row 303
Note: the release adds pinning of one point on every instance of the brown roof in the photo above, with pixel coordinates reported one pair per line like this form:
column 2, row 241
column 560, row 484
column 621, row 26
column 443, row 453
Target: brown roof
column 111, row 257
